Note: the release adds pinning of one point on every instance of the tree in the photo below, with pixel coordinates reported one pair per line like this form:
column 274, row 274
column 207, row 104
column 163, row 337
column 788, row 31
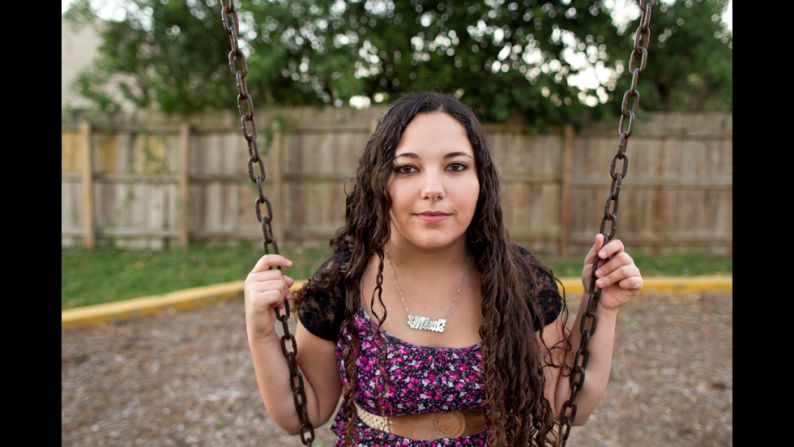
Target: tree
column 508, row 60
column 690, row 60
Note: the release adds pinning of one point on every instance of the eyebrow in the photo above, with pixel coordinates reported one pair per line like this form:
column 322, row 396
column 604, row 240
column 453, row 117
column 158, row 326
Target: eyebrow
column 449, row 155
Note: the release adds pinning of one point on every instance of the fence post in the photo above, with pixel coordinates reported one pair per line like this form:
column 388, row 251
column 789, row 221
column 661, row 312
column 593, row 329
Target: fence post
column 87, row 172
column 184, row 187
column 565, row 189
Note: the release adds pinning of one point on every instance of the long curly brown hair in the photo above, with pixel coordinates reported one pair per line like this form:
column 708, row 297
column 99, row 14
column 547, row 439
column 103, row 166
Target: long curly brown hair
column 517, row 412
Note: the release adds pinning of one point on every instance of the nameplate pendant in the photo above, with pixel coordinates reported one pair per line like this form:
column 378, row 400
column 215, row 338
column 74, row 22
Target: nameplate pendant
column 426, row 324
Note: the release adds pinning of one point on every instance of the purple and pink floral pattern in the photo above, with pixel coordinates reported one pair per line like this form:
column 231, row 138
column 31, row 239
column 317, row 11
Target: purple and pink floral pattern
column 425, row 379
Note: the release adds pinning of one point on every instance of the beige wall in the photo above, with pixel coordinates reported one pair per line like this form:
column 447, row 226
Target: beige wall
column 79, row 48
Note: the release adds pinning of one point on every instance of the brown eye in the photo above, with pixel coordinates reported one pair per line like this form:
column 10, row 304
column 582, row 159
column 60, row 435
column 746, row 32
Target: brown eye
column 399, row 169
column 461, row 166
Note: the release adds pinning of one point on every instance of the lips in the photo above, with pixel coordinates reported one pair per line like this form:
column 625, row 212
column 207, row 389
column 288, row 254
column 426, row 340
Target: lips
column 432, row 218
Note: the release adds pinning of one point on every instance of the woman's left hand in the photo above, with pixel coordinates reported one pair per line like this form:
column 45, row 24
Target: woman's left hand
column 617, row 275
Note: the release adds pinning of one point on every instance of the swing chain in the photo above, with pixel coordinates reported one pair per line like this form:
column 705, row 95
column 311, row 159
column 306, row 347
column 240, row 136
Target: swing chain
column 239, row 68
column 587, row 326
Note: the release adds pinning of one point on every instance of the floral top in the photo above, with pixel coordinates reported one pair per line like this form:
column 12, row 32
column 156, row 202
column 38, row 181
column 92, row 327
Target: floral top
column 427, row 379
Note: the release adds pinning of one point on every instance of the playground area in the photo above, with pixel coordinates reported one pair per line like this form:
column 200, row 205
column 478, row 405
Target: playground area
column 186, row 379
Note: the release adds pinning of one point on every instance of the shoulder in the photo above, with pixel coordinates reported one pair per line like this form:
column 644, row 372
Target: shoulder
column 547, row 294
column 535, row 264
column 321, row 300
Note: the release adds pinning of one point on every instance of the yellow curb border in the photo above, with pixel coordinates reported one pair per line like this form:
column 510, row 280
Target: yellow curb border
column 709, row 283
column 204, row 296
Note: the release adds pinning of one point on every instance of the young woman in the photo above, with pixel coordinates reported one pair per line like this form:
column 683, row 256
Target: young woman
column 430, row 323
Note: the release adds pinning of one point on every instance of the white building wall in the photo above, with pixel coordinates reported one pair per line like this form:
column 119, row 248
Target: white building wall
column 79, row 48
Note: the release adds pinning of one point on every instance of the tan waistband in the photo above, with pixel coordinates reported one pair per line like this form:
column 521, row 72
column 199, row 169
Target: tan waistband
column 426, row 426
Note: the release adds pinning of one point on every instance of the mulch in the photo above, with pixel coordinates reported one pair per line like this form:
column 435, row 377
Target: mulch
column 186, row 379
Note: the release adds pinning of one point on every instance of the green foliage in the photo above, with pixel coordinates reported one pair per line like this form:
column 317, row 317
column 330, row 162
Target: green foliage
column 506, row 59
column 690, row 59
column 170, row 54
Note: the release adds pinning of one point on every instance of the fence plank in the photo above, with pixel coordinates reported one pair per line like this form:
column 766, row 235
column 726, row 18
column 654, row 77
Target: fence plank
column 88, row 185
column 184, row 193
column 677, row 193
column 277, row 202
column 565, row 190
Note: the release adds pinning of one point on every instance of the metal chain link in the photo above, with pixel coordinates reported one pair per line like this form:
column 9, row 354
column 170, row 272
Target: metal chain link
column 239, row 67
column 588, row 324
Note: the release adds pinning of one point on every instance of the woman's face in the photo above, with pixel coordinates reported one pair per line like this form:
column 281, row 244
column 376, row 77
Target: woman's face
column 433, row 170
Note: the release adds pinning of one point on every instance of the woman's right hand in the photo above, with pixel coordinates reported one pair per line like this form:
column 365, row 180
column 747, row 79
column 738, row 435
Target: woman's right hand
column 265, row 289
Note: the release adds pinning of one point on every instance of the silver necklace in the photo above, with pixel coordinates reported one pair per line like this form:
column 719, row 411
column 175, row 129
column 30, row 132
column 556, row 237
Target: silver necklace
column 420, row 322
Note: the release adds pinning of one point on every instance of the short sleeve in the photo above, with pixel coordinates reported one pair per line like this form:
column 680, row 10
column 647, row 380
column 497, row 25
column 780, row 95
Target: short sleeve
column 321, row 310
column 549, row 296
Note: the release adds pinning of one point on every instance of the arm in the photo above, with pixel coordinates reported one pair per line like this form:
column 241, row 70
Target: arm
column 600, row 347
column 266, row 289
column 321, row 382
column 620, row 281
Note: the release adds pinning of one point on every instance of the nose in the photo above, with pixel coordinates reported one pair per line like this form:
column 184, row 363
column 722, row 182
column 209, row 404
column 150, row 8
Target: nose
column 433, row 187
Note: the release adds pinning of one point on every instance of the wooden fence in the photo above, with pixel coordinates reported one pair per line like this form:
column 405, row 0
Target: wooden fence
column 155, row 182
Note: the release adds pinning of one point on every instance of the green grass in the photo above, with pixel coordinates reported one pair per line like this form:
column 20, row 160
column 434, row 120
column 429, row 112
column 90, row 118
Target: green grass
column 674, row 264
column 105, row 274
